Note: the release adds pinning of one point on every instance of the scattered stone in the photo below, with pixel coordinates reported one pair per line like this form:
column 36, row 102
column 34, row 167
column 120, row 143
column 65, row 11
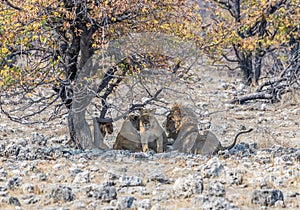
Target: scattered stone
column 216, row 189
column 58, row 166
column 187, row 186
column 2, row 149
column 144, row 204
column 30, row 199
column 10, row 200
column 73, row 171
column 62, row 194
column 266, row 197
column 244, row 150
column 160, row 195
column 156, row 180
column 203, row 202
column 234, row 177
column 298, row 157
column 126, row 202
column 213, row 168
column 14, row 183
column 129, row 181
column 159, row 176
column 110, row 175
column 39, row 139
column 78, row 204
column 106, row 192
column 264, row 159
column 27, row 188
column 14, row 201
column 42, row 177
column 3, row 188
column 3, row 175
column 12, row 151
column 284, row 159
column 82, row 177
column 140, row 190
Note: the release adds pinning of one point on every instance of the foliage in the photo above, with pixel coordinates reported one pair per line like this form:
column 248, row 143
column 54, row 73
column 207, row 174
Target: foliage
column 245, row 32
column 46, row 28
column 50, row 50
column 70, row 54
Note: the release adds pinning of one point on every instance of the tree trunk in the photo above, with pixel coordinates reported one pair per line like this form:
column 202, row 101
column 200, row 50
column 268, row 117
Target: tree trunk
column 294, row 54
column 80, row 131
column 83, row 94
column 257, row 68
column 245, row 64
column 84, row 91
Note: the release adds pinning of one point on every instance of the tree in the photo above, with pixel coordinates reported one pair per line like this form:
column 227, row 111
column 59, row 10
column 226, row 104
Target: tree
column 66, row 51
column 247, row 34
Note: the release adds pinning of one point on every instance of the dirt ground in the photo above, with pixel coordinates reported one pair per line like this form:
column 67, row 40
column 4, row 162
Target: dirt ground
column 273, row 124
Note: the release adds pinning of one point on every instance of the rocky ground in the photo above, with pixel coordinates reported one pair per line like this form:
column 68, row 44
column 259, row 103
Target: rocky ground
column 39, row 171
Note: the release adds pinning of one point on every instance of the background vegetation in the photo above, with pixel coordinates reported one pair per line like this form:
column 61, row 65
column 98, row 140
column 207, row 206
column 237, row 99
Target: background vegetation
column 70, row 56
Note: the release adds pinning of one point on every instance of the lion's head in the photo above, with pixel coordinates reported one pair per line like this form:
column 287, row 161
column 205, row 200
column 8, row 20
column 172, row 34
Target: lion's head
column 174, row 121
column 106, row 128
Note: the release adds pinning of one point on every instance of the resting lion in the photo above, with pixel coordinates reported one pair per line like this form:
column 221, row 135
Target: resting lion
column 129, row 138
column 152, row 134
column 173, row 122
column 100, row 129
column 181, row 125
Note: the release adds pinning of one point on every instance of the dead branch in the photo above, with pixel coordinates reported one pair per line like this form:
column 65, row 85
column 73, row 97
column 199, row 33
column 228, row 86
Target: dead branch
column 253, row 96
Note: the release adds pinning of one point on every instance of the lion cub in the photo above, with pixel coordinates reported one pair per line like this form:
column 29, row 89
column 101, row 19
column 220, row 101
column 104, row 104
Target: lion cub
column 152, row 134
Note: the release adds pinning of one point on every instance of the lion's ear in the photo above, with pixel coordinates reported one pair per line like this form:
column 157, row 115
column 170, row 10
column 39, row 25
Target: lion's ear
column 176, row 106
column 141, row 110
column 152, row 111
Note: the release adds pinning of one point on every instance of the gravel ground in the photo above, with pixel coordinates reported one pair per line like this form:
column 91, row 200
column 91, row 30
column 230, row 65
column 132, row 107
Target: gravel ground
column 39, row 171
column 35, row 176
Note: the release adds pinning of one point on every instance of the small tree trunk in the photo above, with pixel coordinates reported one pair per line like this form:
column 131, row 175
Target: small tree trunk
column 245, row 64
column 257, row 68
column 80, row 130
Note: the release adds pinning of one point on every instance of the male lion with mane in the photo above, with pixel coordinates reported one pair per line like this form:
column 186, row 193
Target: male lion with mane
column 181, row 124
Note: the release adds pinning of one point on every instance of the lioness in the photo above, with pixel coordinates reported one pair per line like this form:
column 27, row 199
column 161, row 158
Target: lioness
column 100, row 131
column 182, row 126
column 129, row 138
column 152, row 134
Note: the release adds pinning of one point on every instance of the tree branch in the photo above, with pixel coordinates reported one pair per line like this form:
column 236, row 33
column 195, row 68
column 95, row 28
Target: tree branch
column 12, row 5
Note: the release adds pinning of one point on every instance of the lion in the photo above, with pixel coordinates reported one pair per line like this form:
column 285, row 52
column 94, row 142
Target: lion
column 173, row 122
column 100, row 131
column 152, row 134
column 129, row 137
column 181, row 125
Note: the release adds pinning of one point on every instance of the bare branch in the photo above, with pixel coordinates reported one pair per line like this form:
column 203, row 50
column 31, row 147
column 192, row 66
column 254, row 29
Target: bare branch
column 12, row 5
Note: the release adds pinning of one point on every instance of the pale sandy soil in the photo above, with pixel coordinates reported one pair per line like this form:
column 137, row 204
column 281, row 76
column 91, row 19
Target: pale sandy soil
column 274, row 124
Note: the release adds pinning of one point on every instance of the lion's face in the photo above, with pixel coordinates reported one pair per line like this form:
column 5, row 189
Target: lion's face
column 106, row 127
column 146, row 116
column 174, row 122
